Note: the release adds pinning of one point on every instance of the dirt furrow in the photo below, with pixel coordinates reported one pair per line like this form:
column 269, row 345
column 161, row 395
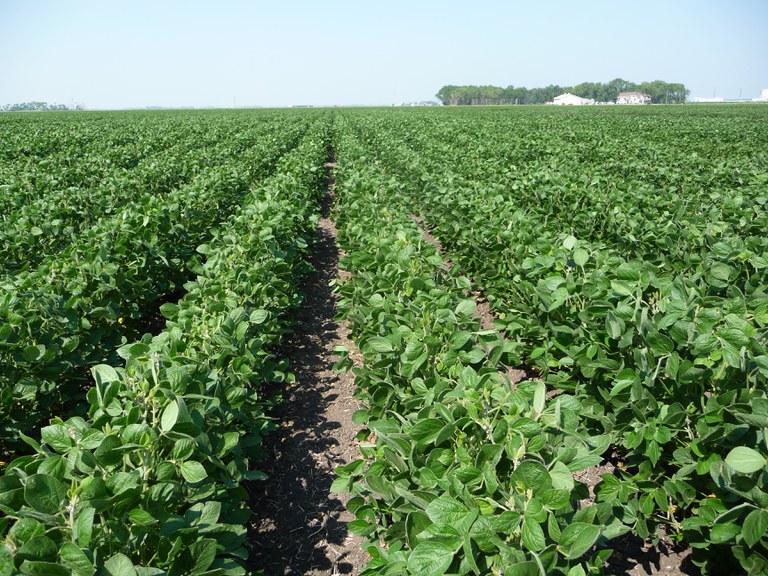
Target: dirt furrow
column 299, row 527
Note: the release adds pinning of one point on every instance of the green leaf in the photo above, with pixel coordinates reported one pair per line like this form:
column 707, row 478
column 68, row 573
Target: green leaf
column 103, row 374
column 533, row 474
column 119, row 565
column 141, row 517
column 614, row 325
column 203, row 554
column 75, row 559
column 446, row 510
column 83, row 527
column 724, row 533
column 259, row 316
column 380, row 344
column 170, row 416
column 745, row 460
column 6, row 560
column 580, row 256
column 425, row 431
column 38, row 568
column 577, row 538
column 44, row 493
column 33, row 353
column 621, row 288
column 39, row 548
column 57, row 437
column 193, row 472
column 720, row 271
column 169, row 310
column 577, row 570
column 570, row 242
column 660, row 344
column 465, row 308
column 527, row 568
column 539, row 397
column 430, row 558
column 533, row 535
column 755, row 527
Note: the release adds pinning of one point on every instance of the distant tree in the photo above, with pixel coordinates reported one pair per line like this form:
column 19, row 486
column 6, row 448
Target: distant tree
column 659, row 91
column 35, row 106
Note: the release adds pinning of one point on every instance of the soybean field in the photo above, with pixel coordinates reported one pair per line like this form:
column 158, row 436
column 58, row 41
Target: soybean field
column 557, row 321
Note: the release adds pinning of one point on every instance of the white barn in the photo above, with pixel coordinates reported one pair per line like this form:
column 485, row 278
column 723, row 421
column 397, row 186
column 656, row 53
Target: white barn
column 569, row 99
column 633, row 98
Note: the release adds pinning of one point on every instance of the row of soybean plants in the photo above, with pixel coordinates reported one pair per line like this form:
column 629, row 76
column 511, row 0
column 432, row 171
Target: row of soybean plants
column 48, row 152
column 79, row 305
column 162, row 158
column 462, row 473
column 657, row 319
column 150, row 479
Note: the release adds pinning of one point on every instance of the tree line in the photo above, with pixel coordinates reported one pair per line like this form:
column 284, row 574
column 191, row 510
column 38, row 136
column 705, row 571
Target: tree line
column 660, row 92
column 36, row 106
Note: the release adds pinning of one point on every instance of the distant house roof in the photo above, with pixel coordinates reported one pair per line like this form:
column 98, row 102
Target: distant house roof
column 630, row 94
column 572, row 99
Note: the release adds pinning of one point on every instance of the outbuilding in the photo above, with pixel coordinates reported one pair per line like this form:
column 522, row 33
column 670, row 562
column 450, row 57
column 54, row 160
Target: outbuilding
column 569, row 99
column 633, row 98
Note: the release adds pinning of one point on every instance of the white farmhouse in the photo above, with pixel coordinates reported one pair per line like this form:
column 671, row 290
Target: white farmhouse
column 569, row 99
column 763, row 96
column 633, row 98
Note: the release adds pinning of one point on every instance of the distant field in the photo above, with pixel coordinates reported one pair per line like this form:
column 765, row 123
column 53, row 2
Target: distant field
column 151, row 263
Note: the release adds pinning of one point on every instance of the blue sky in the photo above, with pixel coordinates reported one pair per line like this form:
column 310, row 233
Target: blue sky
column 135, row 53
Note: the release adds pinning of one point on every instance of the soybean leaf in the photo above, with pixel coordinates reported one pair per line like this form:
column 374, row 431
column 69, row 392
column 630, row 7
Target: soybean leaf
column 430, row 558
column 745, row 460
column 577, row 538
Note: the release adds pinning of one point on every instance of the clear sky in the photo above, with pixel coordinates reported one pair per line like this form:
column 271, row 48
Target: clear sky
column 136, row 53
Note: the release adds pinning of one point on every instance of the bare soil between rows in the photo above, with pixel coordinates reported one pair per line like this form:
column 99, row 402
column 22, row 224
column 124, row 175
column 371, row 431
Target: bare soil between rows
column 298, row 525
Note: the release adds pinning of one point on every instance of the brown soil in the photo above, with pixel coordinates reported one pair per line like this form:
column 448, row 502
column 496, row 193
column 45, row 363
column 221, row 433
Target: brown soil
column 299, row 526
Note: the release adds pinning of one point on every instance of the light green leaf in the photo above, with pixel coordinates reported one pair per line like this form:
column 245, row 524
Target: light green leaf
column 103, row 374
column 169, row 310
column 380, row 344
column 170, row 416
column 745, row 460
column 570, row 242
column 6, row 560
column 75, row 559
column 119, row 565
column 533, row 535
column 446, row 510
column 580, row 256
column 193, row 472
column 430, row 558
column 577, row 538
column 755, row 527
column 465, row 308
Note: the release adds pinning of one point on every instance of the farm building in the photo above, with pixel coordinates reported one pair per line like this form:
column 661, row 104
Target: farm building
column 569, row 99
column 763, row 96
column 633, row 98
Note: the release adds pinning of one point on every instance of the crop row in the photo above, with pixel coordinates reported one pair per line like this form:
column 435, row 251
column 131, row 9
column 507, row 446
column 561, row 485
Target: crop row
column 150, row 481
column 661, row 334
column 44, row 226
column 78, row 306
column 462, row 472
